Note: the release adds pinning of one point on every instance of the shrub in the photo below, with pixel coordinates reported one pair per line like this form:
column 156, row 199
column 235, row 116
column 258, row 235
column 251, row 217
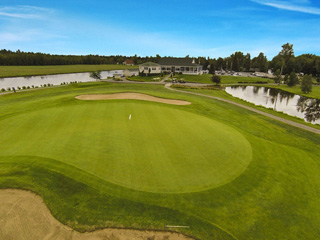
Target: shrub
column 8, row 88
column 96, row 75
column 3, row 90
column 216, row 79
column 24, row 87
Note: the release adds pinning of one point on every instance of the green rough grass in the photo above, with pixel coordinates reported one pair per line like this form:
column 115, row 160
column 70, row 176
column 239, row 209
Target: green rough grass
column 18, row 71
column 206, row 78
column 276, row 197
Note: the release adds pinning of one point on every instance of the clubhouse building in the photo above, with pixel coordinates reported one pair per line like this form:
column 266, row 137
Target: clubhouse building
column 172, row 65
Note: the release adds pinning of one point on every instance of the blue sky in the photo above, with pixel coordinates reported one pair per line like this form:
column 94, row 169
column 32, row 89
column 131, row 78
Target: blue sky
column 168, row 27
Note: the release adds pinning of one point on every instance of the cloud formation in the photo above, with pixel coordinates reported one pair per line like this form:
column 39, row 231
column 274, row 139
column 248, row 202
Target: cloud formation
column 302, row 6
column 24, row 12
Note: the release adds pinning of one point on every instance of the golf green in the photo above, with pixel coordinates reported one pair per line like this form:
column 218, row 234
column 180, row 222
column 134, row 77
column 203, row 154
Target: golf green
column 140, row 145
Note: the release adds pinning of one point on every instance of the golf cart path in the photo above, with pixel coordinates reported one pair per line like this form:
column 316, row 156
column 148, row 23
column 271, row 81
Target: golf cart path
column 298, row 125
column 23, row 215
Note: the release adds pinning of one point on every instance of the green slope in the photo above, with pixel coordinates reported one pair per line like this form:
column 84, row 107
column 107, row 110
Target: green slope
column 275, row 197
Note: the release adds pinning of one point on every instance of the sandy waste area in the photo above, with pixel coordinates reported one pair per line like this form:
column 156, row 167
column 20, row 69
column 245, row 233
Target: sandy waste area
column 23, row 215
column 134, row 96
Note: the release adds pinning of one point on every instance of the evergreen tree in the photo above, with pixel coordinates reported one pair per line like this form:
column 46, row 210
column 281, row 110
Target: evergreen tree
column 293, row 79
column 306, row 83
column 247, row 62
column 277, row 76
column 212, row 68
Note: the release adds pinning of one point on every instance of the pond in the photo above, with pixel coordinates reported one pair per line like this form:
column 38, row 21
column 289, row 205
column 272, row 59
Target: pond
column 52, row 79
column 281, row 101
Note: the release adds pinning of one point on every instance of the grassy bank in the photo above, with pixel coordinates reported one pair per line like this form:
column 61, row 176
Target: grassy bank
column 297, row 90
column 216, row 92
column 206, row 78
column 17, row 71
column 83, row 182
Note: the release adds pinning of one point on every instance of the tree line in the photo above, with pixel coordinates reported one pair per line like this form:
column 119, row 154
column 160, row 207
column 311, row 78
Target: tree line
column 20, row 58
column 285, row 62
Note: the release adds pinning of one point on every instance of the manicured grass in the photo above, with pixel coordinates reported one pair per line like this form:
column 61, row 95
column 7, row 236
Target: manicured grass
column 206, row 78
column 156, row 78
column 16, row 71
column 275, row 197
column 154, row 141
column 237, row 79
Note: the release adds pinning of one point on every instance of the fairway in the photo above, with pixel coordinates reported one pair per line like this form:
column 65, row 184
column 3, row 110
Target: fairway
column 160, row 149
column 228, row 173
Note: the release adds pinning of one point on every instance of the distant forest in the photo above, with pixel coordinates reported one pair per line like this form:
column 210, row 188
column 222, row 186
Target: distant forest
column 20, row 58
column 285, row 62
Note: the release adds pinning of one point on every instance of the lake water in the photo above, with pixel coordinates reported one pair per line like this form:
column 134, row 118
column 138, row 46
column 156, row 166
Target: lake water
column 281, row 101
column 52, row 79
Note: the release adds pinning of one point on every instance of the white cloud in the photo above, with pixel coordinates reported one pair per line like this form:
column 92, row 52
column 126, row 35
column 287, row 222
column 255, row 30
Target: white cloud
column 24, row 12
column 296, row 5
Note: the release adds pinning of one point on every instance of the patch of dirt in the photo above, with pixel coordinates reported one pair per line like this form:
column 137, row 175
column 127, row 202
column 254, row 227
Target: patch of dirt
column 134, row 96
column 23, row 215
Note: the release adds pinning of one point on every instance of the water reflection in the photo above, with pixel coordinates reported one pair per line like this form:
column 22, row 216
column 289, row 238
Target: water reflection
column 281, row 101
column 310, row 107
column 51, row 79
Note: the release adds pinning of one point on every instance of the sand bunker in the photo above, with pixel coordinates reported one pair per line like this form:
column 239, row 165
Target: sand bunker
column 25, row 216
column 135, row 96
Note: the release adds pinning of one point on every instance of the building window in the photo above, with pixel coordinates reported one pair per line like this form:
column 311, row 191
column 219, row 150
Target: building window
column 154, row 68
column 145, row 68
column 187, row 69
column 182, row 69
column 163, row 69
